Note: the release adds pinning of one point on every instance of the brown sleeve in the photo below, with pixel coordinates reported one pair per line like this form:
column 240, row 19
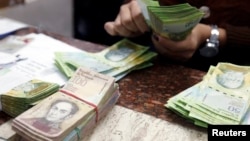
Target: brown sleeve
column 171, row 2
column 237, row 35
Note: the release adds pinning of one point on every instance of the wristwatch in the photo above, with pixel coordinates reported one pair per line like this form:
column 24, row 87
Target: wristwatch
column 211, row 47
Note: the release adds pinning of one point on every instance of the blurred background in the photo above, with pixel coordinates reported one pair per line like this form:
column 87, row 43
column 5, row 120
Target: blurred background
column 81, row 19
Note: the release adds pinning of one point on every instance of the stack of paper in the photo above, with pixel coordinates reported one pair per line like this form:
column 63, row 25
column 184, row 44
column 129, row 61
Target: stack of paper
column 144, row 8
column 27, row 57
column 116, row 61
column 9, row 26
column 174, row 22
column 26, row 95
column 221, row 98
column 123, row 124
column 72, row 112
column 6, row 132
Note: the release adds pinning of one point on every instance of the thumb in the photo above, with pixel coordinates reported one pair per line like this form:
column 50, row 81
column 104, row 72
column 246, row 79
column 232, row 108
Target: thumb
column 110, row 28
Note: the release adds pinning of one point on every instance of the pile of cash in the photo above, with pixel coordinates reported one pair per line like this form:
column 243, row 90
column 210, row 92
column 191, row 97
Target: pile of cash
column 26, row 95
column 174, row 22
column 117, row 60
column 144, row 8
column 222, row 97
column 72, row 112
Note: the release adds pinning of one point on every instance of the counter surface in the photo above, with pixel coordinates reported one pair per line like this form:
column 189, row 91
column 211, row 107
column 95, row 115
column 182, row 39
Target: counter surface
column 144, row 90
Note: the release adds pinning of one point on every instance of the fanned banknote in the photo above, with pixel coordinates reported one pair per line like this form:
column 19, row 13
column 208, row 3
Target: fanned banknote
column 121, row 53
column 116, row 60
column 68, row 62
column 174, row 21
column 144, row 8
column 221, row 98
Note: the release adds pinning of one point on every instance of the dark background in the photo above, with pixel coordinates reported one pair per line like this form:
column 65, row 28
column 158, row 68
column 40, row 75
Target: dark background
column 89, row 19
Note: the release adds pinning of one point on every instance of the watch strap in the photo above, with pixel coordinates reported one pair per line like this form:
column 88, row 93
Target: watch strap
column 211, row 47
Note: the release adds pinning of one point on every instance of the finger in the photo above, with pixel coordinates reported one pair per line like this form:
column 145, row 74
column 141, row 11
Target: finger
column 121, row 29
column 136, row 13
column 174, row 46
column 164, row 50
column 110, row 28
column 126, row 19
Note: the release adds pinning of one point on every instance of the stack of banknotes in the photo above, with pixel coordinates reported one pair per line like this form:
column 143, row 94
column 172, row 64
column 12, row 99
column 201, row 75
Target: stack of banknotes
column 26, row 95
column 117, row 60
column 222, row 97
column 72, row 112
column 174, row 22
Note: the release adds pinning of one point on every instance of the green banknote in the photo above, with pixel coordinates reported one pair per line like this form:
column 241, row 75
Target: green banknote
column 226, row 91
column 222, row 97
column 174, row 21
column 121, row 53
column 143, row 5
column 146, row 57
column 116, row 60
column 70, row 61
column 22, row 97
column 231, row 79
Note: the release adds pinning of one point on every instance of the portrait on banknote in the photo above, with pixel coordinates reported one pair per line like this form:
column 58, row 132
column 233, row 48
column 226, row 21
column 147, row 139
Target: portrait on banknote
column 231, row 79
column 119, row 54
column 31, row 86
column 58, row 112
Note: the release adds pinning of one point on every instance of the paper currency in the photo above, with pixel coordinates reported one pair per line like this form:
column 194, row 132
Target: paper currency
column 23, row 96
column 116, row 61
column 70, row 61
column 144, row 8
column 222, row 97
column 174, row 22
column 121, row 53
column 59, row 114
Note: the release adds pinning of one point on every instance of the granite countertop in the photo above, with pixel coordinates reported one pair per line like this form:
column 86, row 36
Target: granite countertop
column 148, row 90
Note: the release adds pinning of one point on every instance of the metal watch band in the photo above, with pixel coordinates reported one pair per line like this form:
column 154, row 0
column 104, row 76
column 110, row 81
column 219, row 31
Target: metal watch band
column 214, row 38
column 211, row 47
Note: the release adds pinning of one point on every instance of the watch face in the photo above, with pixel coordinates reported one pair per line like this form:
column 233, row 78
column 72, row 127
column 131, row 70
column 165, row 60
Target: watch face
column 209, row 51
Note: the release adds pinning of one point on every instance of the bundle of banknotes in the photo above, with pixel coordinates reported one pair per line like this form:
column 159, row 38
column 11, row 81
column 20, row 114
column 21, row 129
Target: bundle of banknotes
column 222, row 97
column 174, row 22
column 26, row 95
column 117, row 60
column 72, row 112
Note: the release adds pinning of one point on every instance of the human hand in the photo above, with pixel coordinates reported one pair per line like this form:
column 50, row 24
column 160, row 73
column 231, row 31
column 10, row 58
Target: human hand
column 185, row 49
column 129, row 22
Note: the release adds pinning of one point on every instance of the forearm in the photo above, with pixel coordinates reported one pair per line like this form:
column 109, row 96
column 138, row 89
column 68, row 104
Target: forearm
column 203, row 31
column 237, row 35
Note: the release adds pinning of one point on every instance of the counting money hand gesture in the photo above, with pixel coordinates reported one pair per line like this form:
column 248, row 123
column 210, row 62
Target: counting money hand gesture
column 129, row 22
column 182, row 50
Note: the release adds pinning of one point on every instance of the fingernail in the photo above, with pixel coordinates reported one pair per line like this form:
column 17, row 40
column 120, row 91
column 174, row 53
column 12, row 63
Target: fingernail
column 155, row 37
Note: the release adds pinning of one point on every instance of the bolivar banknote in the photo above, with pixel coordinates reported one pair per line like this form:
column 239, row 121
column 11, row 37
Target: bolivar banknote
column 222, row 97
column 84, row 93
column 173, row 21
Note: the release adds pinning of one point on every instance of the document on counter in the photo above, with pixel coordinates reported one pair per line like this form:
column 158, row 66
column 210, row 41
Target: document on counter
column 123, row 124
column 7, row 133
column 34, row 59
column 8, row 26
